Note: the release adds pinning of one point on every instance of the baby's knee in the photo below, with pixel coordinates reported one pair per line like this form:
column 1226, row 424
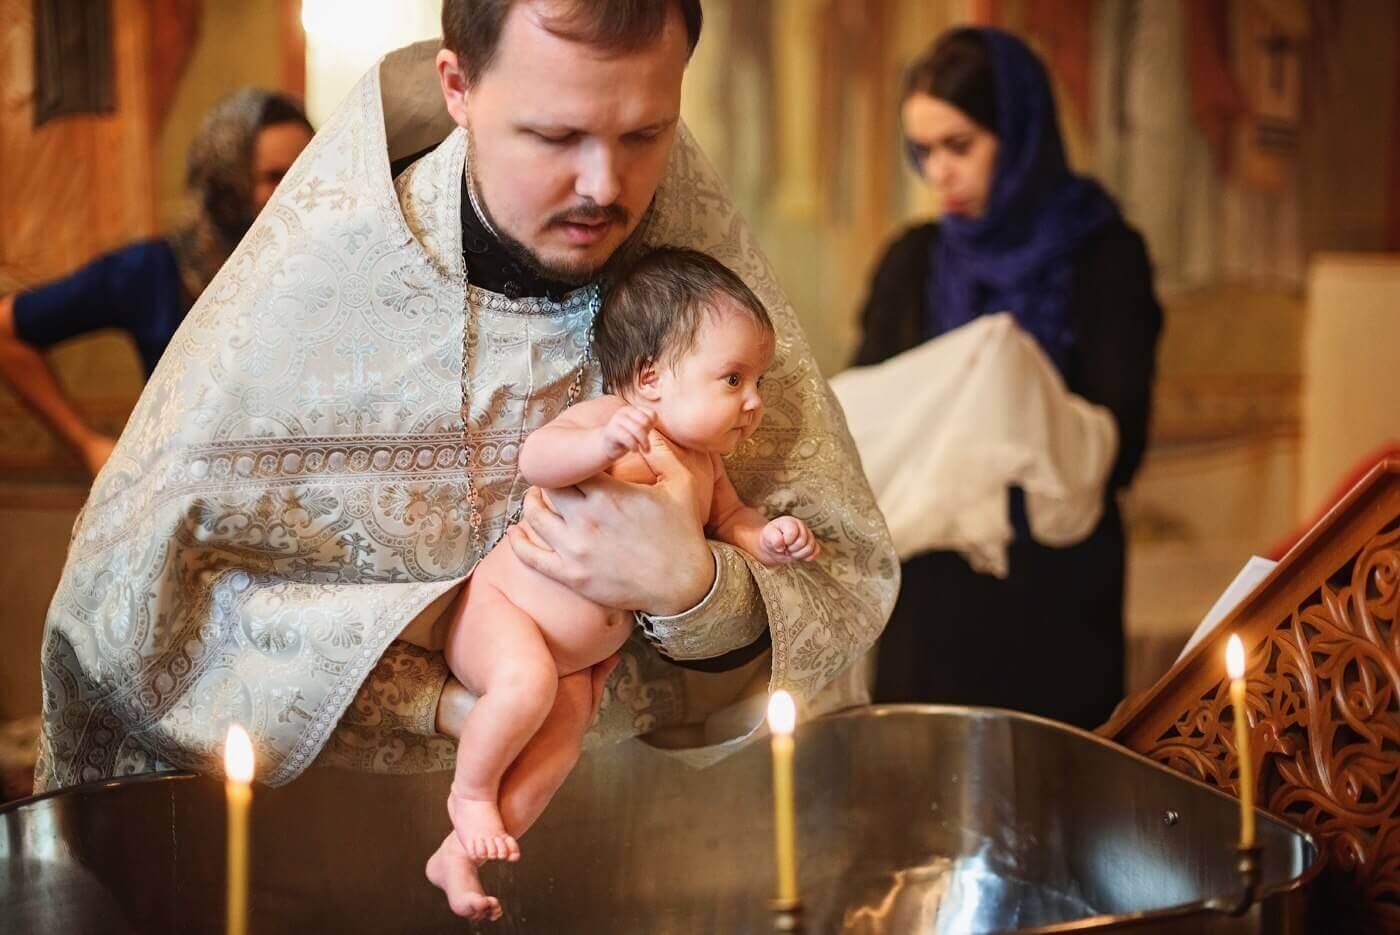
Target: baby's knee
column 531, row 685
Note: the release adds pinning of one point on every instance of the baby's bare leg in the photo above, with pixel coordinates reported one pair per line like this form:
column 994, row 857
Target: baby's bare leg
column 550, row 755
column 453, row 872
column 527, row 787
column 497, row 651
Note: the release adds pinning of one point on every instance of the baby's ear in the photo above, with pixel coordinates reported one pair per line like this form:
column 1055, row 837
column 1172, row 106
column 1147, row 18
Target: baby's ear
column 648, row 381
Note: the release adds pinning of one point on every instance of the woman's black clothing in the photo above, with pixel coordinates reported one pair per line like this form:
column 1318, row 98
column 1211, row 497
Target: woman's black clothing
column 1049, row 638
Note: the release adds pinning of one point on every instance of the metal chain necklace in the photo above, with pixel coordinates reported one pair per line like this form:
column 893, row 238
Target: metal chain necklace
column 470, row 327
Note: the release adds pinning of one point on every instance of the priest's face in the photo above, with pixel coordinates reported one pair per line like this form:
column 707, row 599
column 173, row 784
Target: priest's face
column 568, row 141
column 957, row 155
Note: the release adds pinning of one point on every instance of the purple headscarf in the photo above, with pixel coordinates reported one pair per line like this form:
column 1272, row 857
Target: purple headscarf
column 1019, row 255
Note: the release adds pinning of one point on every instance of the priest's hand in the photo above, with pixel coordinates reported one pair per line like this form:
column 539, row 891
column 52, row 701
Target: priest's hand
column 622, row 545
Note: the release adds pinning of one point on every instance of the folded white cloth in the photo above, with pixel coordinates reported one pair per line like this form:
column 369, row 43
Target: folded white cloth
column 945, row 428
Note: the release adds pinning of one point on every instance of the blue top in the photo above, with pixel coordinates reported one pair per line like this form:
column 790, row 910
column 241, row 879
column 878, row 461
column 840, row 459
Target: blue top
column 136, row 288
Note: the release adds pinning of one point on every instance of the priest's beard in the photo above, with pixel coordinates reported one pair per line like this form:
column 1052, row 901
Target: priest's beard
column 570, row 274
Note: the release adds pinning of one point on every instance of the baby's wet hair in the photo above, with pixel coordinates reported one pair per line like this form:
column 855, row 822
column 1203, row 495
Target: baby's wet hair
column 654, row 310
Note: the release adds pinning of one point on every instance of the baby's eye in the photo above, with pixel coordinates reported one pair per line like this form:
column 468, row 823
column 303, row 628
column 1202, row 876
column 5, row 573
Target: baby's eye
column 732, row 379
column 761, row 381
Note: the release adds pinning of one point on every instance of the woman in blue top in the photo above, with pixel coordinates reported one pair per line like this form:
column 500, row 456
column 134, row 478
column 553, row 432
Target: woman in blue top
column 1019, row 233
column 246, row 144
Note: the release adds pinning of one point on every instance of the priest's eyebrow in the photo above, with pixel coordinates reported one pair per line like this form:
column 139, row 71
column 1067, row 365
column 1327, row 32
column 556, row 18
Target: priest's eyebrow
column 562, row 129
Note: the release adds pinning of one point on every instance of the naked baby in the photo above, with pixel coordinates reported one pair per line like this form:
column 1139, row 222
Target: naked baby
column 683, row 345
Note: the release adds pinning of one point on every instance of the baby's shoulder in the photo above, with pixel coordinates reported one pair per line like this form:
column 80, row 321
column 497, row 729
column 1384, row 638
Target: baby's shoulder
column 590, row 412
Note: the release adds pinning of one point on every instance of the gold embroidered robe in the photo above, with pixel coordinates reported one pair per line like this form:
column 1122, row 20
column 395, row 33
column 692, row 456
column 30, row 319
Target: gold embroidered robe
column 290, row 492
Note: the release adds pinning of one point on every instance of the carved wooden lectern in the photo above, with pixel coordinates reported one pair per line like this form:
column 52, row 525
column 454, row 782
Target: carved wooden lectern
column 1323, row 645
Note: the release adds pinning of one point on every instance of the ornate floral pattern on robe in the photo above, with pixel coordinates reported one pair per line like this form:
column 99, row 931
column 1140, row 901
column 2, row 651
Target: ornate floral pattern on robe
column 291, row 491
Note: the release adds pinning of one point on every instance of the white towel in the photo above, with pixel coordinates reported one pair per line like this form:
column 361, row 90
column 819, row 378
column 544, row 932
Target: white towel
column 944, row 429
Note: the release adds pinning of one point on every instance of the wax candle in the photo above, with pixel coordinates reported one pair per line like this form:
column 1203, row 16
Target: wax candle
column 238, row 767
column 782, row 718
column 1234, row 663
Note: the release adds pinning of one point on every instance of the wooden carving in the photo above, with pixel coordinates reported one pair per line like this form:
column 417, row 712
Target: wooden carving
column 1323, row 644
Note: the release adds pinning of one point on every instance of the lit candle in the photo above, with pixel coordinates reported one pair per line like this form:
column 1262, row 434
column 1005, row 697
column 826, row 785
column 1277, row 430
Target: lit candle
column 1234, row 662
column 238, row 766
column 782, row 717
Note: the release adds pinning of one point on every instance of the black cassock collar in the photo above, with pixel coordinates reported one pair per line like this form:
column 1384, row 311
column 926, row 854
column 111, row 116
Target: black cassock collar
column 490, row 266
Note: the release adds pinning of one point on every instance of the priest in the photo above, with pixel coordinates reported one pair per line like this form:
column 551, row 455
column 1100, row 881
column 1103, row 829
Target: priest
column 329, row 444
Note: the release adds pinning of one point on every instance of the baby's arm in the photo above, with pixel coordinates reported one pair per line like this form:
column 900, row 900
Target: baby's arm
column 583, row 441
column 772, row 542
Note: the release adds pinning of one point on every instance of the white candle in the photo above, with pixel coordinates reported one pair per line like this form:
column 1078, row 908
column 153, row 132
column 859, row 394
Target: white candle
column 782, row 718
column 238, row 766
column 1234, row 663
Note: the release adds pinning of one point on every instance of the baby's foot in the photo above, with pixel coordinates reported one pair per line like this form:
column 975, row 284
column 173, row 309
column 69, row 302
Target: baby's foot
column 479, row 829
column 453, row 872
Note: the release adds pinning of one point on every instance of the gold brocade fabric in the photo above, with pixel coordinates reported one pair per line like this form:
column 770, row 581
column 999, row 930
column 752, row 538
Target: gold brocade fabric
column 290, row 491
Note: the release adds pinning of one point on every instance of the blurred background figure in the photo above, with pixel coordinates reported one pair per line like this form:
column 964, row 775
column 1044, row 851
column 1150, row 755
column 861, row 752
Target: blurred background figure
column 1019, row 233
column 245, row 146
column 133, row 154
column 1254, row 144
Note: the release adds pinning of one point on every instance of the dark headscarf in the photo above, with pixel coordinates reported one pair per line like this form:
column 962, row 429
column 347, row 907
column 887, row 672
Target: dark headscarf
column 1019, row 255
column 219, row 174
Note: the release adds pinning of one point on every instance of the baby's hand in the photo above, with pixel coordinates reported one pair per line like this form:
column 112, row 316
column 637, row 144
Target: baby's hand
column 628, row 430
column 787, row 539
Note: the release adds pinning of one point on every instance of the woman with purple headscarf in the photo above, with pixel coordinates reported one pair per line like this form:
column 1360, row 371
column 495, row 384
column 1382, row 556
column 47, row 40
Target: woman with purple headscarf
column 1019, row 233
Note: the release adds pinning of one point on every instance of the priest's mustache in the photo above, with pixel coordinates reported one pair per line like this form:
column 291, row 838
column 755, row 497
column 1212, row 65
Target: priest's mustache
column 591, row 214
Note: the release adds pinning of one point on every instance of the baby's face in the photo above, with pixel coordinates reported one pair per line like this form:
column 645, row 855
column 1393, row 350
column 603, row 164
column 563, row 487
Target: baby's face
column 709, row 398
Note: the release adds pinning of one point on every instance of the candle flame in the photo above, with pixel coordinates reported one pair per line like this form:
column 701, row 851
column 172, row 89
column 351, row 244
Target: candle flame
column 1234, row 657
column 238, row 755
column 782, row 713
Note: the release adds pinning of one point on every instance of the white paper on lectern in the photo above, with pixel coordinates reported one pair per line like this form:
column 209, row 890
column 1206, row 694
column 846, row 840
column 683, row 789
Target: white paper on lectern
column 1254, row 571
